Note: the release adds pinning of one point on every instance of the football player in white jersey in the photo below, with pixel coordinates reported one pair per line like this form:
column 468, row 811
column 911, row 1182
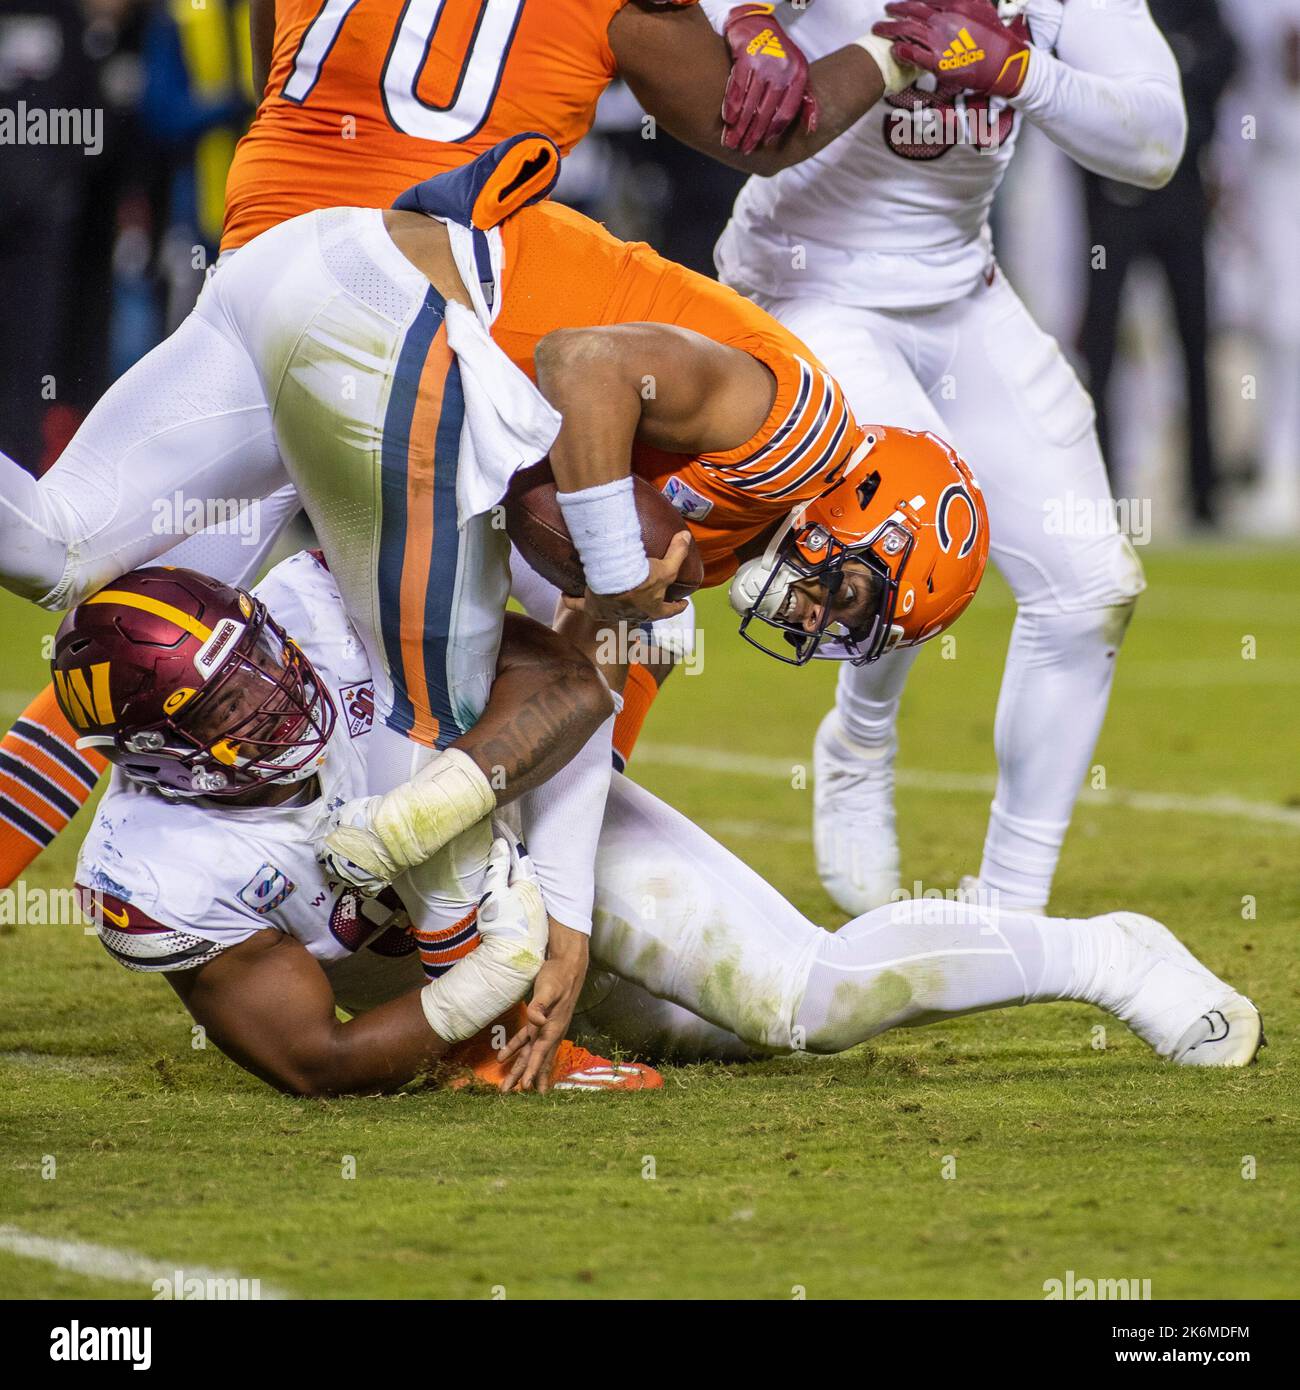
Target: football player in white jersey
column 231, row 742
column 695, row 955
column 877, row 253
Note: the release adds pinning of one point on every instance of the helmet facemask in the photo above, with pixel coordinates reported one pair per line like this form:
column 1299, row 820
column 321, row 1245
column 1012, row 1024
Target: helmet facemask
column 262, row 719
column 808, row 552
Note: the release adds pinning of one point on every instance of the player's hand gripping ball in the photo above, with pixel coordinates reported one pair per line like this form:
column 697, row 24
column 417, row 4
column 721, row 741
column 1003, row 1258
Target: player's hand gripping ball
column 536, row 524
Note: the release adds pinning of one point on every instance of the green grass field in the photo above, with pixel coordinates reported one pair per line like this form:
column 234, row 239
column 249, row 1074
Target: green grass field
column 825, row 1175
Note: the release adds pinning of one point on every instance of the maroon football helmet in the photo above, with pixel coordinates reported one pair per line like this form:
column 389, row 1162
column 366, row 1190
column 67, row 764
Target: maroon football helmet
column 190, row 686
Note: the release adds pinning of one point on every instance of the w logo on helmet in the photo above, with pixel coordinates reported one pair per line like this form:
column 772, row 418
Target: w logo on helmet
column 951, row 496
column 86, row 705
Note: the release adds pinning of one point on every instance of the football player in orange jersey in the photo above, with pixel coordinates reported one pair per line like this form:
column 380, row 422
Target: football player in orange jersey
column 363, row 98
column 346, row 350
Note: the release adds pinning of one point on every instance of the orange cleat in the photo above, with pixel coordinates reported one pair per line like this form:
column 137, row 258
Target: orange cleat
column 476, row 1059
column 576, row 1069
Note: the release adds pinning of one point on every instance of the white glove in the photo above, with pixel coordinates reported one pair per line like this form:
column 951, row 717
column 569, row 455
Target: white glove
column 356, row 814
column 373, row 840
column 514, row 928
column 512, row 901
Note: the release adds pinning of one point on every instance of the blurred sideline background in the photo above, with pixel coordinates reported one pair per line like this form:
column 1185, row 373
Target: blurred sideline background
column 1189, row 335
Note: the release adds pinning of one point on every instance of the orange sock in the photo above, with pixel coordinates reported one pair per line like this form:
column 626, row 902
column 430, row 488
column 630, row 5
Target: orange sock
column 638, row 695
column 44, row 781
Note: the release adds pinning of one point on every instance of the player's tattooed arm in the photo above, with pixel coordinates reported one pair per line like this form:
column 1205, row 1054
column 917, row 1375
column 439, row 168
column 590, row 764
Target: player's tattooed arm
column 268, row 1005
column 547, row 700
column 678, row 68
column 545, row 703
column 261, row 24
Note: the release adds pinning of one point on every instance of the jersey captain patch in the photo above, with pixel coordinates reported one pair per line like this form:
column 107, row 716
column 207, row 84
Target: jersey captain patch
column 266, row 890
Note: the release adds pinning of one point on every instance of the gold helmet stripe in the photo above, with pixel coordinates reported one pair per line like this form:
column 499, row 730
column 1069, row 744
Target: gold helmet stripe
column 156, row 607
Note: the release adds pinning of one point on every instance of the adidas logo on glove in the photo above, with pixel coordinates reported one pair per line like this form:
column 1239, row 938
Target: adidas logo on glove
column 961, row 52
column 765, row 44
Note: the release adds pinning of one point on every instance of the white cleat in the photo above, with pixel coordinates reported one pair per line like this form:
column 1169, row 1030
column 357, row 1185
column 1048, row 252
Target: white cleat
column 1184, row 1011
column 853, row 819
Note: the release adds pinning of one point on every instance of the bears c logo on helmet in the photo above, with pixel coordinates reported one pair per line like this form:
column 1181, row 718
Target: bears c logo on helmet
column 953, row 493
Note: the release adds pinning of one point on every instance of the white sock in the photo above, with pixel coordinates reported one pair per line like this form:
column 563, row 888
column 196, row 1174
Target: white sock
column 867, row 698
column 1053, row 700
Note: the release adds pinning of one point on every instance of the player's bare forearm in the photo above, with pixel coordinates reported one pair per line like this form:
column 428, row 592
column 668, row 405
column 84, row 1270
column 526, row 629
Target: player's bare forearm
column 587, row 375
column 665, row 386
column 547, row 700
column 268, row 1006
column 261, row 24
column 678, row 67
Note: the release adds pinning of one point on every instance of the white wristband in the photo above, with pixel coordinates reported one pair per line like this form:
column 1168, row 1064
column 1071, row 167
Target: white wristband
column 898, row 76
column 606, row 533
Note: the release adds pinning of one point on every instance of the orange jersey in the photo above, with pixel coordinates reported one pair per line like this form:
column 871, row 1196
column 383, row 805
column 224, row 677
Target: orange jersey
column 367, row 97
column 562, row 270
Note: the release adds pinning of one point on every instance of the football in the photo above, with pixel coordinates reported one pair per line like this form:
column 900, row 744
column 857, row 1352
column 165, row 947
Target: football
column 536, row 524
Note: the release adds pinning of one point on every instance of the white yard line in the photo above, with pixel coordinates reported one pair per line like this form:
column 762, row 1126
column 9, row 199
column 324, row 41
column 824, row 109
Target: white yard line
column 104, row 1262
column 960, row 783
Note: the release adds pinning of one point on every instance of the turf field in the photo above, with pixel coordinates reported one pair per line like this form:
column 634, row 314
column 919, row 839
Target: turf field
column 975, row 1159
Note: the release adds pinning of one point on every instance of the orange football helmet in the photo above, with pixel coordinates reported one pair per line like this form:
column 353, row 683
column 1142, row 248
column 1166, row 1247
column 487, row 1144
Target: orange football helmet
column 909, row 511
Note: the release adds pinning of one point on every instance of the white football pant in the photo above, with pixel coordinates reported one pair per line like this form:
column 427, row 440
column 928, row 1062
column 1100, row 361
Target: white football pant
column 981, row 374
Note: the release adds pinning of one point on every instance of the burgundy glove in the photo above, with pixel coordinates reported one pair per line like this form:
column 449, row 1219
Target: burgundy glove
column 963, row 42
column 768, row 85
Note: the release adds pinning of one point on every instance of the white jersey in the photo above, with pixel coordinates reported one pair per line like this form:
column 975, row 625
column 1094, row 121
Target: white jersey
column 894, row 213
column 178, row 881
